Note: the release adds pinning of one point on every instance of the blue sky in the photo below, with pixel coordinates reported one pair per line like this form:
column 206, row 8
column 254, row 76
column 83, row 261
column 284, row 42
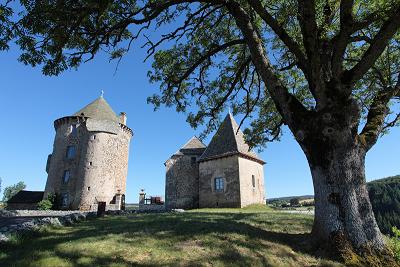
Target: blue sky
column 30, row 102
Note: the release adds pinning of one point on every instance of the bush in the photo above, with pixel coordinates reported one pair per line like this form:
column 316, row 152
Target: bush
column 395, row 243
column 295, row 202
column 45, row 204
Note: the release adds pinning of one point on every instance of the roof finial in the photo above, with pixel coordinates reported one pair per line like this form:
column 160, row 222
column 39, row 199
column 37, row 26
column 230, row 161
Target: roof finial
column 102, row 93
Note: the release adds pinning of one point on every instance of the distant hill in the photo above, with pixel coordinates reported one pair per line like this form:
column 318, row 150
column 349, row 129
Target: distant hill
column 385, row 199
column 289, row 198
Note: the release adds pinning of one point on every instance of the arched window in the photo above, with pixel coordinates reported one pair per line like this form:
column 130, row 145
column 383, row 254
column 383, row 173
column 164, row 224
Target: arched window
column 66, row 176
column 71, row 152
column 219, row 184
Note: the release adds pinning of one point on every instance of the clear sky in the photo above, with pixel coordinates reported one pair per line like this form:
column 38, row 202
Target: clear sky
column 30, row 102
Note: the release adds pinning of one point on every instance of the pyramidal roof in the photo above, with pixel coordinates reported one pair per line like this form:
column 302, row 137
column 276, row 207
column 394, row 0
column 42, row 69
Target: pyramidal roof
column 194, row 142
column 193, row 146
column 98, row 109
column 228, row 140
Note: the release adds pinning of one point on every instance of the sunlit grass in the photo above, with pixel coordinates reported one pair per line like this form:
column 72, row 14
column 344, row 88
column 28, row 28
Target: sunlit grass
column 254, row 236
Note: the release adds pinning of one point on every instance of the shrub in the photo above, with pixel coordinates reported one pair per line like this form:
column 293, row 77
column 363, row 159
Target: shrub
column 395, row 243
column 295, row 202
column 45, row 204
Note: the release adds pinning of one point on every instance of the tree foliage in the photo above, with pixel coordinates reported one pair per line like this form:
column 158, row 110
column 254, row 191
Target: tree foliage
column 12, row 190
column 209, row 60
column 385, row 200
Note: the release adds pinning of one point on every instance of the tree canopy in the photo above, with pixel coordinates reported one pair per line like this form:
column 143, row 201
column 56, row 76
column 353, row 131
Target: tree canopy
column 12, row 190
column 270, row 60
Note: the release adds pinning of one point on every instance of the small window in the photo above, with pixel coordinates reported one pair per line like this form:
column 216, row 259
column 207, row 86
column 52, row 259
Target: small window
column 94, row 137
column 88, row 188
column 66, row 176
column 71, row 152
column 64, row 200
column 193, row 160
column 219, row 184
column 253, row 180
column 74, row 131
column 90, row 163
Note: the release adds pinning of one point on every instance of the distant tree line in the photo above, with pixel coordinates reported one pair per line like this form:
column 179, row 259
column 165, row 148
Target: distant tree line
column 385, row 199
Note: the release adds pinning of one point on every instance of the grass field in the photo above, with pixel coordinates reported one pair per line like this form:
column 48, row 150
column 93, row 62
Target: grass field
column 254, row 236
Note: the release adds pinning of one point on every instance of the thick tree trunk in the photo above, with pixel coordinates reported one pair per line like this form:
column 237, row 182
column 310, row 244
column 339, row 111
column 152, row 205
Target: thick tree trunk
column 344, row 219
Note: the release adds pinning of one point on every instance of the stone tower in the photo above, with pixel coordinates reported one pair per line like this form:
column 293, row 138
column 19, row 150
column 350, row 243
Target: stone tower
column 89, row 163
column 182, row 177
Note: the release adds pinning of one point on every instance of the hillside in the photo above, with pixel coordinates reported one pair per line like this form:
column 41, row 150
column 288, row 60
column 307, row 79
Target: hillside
column 385, row 199
column 254, row 236
column 289, row 198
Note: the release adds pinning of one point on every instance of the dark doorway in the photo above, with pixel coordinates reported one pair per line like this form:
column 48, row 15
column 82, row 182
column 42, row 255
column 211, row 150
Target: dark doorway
column 101, row 209
column 123, row 202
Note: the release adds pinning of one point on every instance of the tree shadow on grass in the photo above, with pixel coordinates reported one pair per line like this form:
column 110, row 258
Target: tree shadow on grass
column 168, row 230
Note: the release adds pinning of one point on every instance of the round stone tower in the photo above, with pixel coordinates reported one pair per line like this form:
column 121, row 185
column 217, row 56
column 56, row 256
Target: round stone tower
column 89, row 163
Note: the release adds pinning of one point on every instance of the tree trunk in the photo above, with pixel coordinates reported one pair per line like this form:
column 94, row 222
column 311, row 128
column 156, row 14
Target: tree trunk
column 344, row 219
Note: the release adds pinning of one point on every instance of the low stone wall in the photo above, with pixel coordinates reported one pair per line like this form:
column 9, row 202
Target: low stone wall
column 57, row 218
column 151, row 208
column 29, row 213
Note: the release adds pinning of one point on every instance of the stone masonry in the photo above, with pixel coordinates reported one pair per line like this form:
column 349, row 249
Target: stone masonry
column 194, row 172
column 89, row 163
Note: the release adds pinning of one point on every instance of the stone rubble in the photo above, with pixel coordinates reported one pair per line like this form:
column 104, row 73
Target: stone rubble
column 55, row 218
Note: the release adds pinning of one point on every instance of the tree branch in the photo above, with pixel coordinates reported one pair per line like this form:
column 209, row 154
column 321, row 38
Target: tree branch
column 376, row 115
column 282, row 34
column 309, row 30
column 376, row 48
column 288, row 106
column 340, row 43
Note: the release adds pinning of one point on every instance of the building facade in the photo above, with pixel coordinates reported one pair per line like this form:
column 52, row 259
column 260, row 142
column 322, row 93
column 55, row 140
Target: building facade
column 89, row 163
column 226, row 173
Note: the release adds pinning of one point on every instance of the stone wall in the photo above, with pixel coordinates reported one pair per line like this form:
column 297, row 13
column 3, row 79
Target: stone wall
column 99, row 169
column 151, row 208
column 22, row 206
column 182, row 180
column 228, row 169
column 249, row 194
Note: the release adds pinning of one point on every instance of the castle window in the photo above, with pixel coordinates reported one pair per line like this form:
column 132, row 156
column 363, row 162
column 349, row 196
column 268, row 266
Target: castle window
column 74, row 131
column 71, row 152
column 64, row 200
column 93, row 137
column 88, row 188
column 66, row 176
column 193, row 160
column 90, row 163
column 253, row 180
column 219, row 184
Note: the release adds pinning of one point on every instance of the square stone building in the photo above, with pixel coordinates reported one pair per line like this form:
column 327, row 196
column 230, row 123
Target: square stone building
column 224, row 174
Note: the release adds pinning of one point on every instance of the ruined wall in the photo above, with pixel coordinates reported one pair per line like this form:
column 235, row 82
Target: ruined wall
column 228, row 169
column 249, row 194
column 182, row 180
column 99, row 169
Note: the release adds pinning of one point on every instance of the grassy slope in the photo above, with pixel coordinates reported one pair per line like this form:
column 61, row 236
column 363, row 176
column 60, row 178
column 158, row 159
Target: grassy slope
column 243, row 237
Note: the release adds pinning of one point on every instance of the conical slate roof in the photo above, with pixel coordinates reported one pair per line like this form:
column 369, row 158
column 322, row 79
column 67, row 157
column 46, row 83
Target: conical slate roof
column 228, row 141
column 98, row 109
column 193, row 146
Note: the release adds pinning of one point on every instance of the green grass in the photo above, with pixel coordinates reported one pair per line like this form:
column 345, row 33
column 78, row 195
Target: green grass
column 254, row 236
